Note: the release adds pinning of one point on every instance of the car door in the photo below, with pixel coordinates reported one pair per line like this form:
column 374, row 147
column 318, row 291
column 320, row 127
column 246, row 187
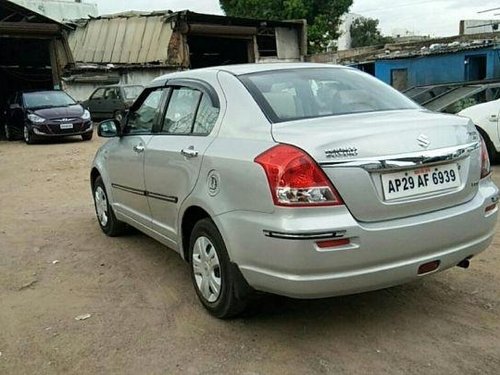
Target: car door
column 96, row 102
column 112, row 101
column 125, row 157
column 174, row 155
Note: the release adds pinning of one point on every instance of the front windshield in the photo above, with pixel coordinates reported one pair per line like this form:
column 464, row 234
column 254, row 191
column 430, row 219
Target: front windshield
column 293, row 94
column 132, row 92
column 47, row 99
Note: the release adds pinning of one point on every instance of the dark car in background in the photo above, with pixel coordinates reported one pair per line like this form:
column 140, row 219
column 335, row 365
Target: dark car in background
column 111, row 101
column 33, row 115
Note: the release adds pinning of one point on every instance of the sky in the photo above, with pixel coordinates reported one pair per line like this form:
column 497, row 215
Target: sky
column 423, row 17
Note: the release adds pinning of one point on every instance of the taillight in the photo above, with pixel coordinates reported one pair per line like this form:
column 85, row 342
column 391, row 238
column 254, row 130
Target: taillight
column 295, row 179
column 485, row 160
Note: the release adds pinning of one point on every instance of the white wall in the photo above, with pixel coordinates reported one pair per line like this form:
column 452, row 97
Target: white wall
column 479, row 26
column 82, row 90
column 344, row 41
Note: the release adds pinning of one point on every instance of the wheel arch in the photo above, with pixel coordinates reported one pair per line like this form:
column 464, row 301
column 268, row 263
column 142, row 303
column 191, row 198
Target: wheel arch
column 94, row 174
column 190, row 217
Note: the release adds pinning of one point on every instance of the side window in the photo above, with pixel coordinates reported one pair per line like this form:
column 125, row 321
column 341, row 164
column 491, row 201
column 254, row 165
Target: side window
column 206, row 117
column 99, row 94
column 111, row 94
column 141, row 120
column 181, row 111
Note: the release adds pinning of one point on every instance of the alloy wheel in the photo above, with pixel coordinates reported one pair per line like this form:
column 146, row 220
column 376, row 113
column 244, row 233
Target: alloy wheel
column 26, row 134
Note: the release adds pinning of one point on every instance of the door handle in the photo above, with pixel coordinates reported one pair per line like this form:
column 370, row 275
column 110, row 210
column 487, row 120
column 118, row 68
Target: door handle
column 139, row 148
column 493, row 118
column 189, row 152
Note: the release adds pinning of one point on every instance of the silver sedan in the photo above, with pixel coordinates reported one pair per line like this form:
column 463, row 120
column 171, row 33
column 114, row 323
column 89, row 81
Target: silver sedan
column 302, row 180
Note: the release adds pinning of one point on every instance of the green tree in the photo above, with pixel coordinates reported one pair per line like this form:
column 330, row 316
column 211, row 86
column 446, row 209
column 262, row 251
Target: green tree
column 323, row 16
column 365, row 32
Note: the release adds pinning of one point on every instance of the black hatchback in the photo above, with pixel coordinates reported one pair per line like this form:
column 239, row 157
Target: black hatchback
column 33, row 115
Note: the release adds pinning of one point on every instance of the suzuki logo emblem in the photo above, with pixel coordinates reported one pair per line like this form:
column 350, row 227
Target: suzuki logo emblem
column 423, row 141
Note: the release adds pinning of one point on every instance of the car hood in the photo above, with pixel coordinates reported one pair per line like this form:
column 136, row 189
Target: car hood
column 60, row 112
column 480, row 109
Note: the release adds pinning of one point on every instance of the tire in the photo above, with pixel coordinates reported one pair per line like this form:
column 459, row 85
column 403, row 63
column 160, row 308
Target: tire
column 28, row 136
column 106, row 218
column 218, row 283
column 87, row 136
column 8, row 132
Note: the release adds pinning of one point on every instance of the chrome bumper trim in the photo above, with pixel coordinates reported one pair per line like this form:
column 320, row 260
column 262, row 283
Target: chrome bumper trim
column 305, row 236
column 409, row 160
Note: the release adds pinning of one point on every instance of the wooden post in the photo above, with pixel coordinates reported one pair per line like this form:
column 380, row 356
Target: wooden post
column 54, row 64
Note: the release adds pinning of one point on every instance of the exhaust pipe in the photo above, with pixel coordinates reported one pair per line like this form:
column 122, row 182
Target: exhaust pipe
column 464, row 264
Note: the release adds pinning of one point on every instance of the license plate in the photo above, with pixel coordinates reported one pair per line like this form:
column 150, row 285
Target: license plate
column 66, row 126
column 420, row 181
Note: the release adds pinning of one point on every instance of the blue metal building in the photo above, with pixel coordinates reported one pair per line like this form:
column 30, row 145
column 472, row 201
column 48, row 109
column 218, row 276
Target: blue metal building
column 470, row 63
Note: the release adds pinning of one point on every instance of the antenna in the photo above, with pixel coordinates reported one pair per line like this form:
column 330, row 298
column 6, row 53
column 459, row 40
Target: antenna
column 488, row 10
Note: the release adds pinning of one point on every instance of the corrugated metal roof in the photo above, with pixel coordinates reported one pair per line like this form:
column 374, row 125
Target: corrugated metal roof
column 131, row 39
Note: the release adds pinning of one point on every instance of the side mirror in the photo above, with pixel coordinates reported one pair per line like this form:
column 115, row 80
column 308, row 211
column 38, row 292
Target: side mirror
column 15, row 106
column 109, row 129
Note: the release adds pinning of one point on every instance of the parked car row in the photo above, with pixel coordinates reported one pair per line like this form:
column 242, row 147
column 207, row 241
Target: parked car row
column 33, row 115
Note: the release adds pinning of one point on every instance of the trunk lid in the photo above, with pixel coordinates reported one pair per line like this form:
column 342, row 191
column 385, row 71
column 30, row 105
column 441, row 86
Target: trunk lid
column 359, row 153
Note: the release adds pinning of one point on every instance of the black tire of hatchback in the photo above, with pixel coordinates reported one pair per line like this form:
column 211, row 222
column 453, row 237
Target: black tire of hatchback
column 113, row 227
column 235, row 292
column 9, row 135
column 87, row 136
column 28, row 136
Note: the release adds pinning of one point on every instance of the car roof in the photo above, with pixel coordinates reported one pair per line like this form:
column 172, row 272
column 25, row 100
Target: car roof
column 34, row 91
column 240, row 69
column 118, row 85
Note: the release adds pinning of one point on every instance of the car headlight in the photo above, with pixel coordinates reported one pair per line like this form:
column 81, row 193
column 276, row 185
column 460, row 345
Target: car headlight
column 35, row 119
column 86, row 115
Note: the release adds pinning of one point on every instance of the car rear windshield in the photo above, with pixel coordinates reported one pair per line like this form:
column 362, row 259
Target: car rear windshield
column 132, row 92
column 286, row 95
column 47, row 99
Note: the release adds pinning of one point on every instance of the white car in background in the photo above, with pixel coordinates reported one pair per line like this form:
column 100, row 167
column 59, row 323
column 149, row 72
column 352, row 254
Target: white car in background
column 486, row 117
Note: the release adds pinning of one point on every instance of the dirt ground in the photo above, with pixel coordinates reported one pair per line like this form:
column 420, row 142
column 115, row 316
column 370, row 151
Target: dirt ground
column 56, row 264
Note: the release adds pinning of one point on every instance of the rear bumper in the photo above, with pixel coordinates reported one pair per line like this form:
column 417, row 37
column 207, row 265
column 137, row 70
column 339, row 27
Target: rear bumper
column 379, row 255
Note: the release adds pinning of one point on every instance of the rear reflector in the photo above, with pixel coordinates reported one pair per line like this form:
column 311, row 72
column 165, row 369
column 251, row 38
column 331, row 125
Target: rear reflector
column 429, row 267
column 333, row 243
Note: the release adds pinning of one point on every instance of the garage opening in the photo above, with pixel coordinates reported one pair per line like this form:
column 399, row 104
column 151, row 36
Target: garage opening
column 24, row 65
column 475, row 67
column 33, row 51
column 211, row 51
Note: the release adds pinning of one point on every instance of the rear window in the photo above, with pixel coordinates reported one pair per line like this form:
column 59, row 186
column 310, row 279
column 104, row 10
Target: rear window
column 294, row 94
